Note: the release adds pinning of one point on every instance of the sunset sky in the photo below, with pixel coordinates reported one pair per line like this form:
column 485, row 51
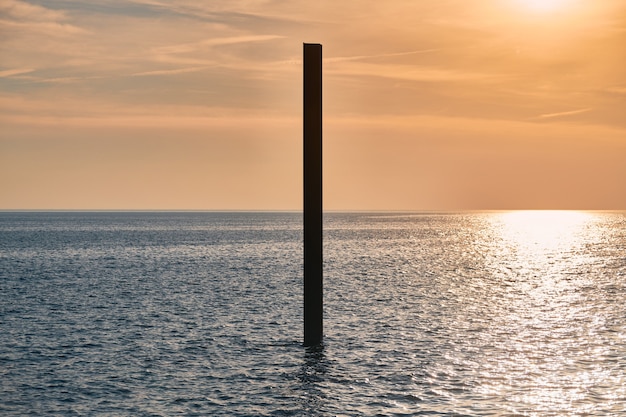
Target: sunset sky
column 428, row 104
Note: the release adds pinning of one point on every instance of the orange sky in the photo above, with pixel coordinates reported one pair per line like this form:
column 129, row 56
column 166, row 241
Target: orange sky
column 430, row 104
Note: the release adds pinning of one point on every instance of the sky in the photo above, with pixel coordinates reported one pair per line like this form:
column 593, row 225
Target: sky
column 197, row 105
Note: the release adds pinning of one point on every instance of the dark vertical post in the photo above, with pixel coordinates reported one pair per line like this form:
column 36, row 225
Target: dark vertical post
column 313, row 282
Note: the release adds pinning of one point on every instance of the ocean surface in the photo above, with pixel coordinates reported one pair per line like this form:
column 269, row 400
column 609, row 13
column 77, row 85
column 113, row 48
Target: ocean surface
column 198, row 314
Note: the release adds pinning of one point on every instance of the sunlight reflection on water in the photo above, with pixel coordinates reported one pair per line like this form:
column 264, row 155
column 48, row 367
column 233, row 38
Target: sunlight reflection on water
column 515, row 313
column 552, row 341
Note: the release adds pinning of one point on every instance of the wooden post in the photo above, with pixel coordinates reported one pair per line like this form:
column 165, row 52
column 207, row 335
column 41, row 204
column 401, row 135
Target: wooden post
column 313, row 270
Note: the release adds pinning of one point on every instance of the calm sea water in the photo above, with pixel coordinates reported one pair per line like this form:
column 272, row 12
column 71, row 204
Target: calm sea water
column 160, row 314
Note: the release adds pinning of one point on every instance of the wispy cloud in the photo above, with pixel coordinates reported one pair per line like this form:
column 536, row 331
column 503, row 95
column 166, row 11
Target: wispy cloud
column 20, row 15
column 618, row 90
column 23, row 11
column 193, row 46
column 363, row 57
column 66, row 80
column 254, row 45
column 47, row 28
column 243, row 15
column 564, row 113
column 404, row 72
column 18, row 71
column 170, row 72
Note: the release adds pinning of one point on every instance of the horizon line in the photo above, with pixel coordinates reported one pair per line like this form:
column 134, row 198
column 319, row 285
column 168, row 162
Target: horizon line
column 146, row 210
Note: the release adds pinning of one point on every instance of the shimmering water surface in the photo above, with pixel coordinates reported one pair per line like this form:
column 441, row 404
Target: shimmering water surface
column 474, row 314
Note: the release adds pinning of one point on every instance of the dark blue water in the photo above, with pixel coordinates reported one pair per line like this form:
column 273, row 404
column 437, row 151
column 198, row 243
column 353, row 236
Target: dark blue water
column 476, row 314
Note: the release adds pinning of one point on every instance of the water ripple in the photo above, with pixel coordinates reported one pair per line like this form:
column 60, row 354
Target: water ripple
column 468, row 314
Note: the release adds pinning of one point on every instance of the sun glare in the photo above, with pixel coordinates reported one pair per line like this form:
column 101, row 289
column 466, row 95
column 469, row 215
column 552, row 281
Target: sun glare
column 545, row 27
column 543, row 6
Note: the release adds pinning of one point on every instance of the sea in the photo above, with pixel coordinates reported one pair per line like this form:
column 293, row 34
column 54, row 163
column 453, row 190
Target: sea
column 519, row 313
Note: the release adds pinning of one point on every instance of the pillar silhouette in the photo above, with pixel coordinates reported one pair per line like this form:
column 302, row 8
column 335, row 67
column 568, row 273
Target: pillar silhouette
column 312, row 137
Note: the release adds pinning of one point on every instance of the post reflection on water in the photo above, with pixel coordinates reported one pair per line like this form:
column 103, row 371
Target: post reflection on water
column 311, row 377
column 550, row 339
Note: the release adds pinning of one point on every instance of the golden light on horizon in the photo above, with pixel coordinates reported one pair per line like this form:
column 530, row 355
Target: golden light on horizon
column 540, row 231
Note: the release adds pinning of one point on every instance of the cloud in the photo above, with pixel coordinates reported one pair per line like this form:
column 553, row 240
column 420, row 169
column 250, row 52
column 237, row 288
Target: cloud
column 564, row 113
column 21, row 11
column 363, row 57
column 170, row 72
column 457, row 71
column 11, row 72
column 617, row 90
column 20, row 16
column 190, row 56
column 231, row 40
column 404, row 72
column 80, row 112
column 66, row 80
